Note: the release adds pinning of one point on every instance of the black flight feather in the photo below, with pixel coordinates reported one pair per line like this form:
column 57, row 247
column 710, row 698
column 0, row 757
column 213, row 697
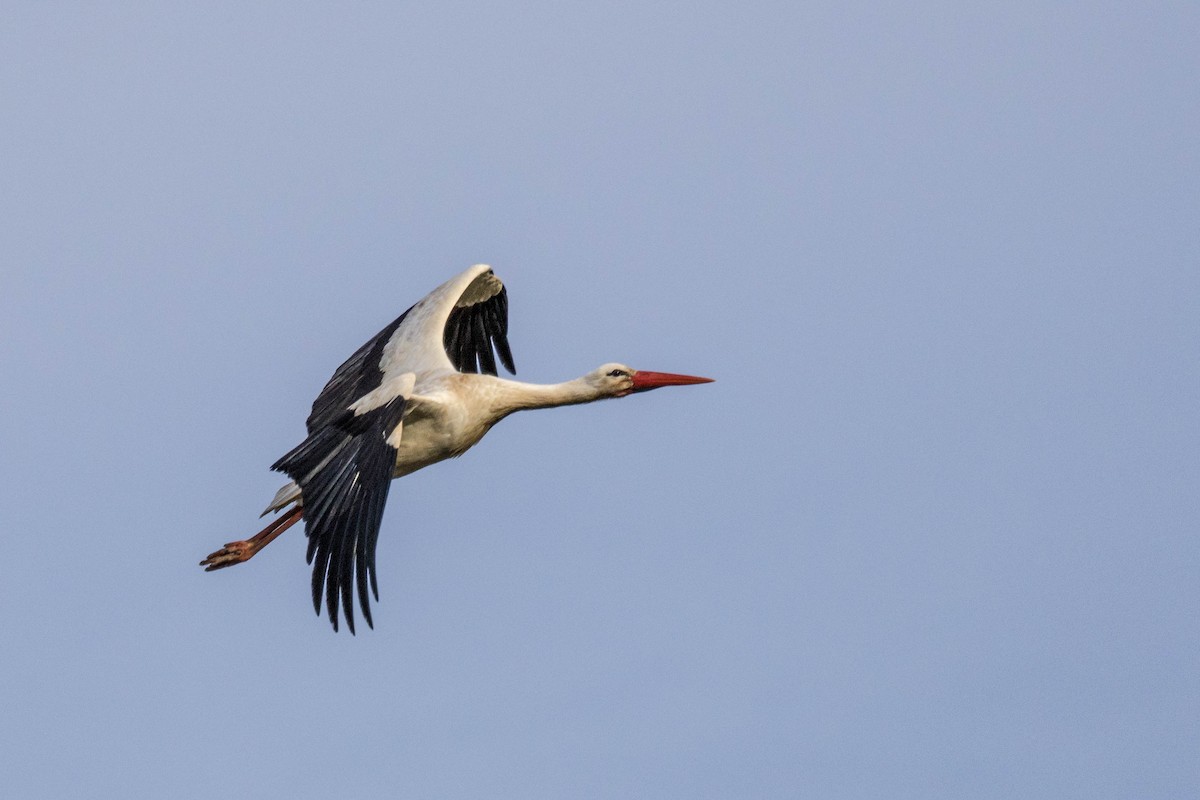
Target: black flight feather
column 473, row 332
column 344, row 471
column 487, row 363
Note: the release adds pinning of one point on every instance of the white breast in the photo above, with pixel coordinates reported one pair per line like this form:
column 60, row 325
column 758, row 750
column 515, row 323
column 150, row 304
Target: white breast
column 451, row 414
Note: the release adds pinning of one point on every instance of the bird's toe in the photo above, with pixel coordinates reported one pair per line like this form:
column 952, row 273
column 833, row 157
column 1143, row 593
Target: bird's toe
column 232, row 553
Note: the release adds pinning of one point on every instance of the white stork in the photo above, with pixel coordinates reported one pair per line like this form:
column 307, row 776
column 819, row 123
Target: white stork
column 422, row 390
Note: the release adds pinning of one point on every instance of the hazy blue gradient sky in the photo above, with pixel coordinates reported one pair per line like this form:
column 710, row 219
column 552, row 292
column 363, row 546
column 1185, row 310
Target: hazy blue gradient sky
column 932, row 534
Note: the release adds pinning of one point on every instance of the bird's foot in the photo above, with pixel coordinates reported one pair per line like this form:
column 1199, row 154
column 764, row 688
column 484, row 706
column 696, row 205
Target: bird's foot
column 244, row 550
column 232, row 553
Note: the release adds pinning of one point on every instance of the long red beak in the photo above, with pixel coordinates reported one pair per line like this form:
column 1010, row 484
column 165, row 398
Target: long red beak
column 645, row 381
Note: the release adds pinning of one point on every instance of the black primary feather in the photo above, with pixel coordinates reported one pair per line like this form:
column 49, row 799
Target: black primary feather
column 344, row 471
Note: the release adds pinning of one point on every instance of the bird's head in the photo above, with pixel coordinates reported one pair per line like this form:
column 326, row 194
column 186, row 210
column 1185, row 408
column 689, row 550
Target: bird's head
column 618, row 380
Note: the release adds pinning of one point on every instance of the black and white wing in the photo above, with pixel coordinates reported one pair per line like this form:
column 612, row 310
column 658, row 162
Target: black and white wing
column 344, row 470
column 455, row 327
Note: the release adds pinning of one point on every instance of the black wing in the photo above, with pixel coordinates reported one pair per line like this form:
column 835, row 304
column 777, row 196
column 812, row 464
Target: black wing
column 357, row 376
column 472, row 331
column 344, row 470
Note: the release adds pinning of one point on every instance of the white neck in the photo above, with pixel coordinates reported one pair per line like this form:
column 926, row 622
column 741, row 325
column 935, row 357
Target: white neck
column 513, row 396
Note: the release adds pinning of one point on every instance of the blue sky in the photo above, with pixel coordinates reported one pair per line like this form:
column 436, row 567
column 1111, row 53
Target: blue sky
column 931, row 534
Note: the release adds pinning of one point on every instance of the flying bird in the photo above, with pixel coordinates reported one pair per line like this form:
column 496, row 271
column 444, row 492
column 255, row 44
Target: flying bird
column 422, row 390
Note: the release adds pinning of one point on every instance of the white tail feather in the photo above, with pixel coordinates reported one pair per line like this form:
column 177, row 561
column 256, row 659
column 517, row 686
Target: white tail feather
column 286, row 495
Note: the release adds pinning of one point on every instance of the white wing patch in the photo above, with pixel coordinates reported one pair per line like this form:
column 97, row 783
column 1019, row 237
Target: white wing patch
column 389, row 390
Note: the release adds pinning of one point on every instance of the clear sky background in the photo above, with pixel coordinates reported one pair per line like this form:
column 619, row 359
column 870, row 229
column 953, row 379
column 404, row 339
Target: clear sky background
column 931, row 534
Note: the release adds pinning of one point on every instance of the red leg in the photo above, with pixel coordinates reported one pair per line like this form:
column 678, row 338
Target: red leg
column 237, row 552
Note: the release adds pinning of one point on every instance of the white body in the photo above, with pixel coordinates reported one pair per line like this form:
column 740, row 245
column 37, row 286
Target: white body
column 447, row 412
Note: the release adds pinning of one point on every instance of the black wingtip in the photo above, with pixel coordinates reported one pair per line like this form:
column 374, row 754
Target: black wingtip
column 344, row 497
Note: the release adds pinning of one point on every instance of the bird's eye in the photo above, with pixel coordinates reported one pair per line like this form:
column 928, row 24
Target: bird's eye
column 616, row 373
